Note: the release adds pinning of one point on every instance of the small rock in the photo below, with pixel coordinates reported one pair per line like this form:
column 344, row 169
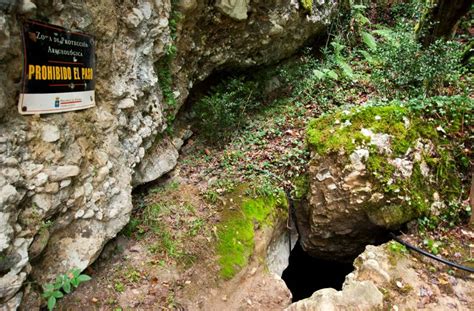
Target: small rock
column 188, row 5
column 12, row 175
column 50, row 133
column 62, row 172
column 102, row 173
column 88, row 189
column 212, row 180
column 88, row 214
column 126, row 103
column 134, row 18
column 40, row 179
column 42, row 201
column 8, row 193
column 26, row 7
column 236, row 9
column 79, row 214
column 51, row 187
column 10, row 162
column 65, row 183
column 323, row 174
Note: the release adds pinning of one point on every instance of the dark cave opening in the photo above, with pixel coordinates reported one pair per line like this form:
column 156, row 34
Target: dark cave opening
column 305, row 274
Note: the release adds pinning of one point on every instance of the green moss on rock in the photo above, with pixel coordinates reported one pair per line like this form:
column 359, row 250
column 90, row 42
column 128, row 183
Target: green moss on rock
column 244, row 215
column 301, row 187
column 405, row 198
column 342, row 130
column 308, row 5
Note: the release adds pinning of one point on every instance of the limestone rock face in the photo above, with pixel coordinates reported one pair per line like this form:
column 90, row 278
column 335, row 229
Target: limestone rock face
column 405, row 280
column 157, row 162
column 371, row 169
column 72, row 172
column 333, row 222
column 364, row 295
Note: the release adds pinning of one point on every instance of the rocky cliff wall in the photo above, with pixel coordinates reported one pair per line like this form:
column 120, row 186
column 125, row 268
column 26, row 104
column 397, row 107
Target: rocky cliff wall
column 66, row 179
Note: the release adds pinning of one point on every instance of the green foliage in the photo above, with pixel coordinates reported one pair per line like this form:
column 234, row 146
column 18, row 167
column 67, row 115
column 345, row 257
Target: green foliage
column 211, row 196
column 64, row 284
column 454, row 214
column 163, row 66
column 119, row 287
column 165, row 80
column 325, row 74
column 407, row 11
column 432, row 245
column 369, row 40
column 400, row 67
column 131, row 227
column 307, row 5
column 406, row 66
column 225, row 110
column 132, row 275
column 196, row 227
column 336, row 61
column 397, row 247
column 300, row 187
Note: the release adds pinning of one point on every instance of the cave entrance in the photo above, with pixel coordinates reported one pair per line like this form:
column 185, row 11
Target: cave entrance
column 305, row 274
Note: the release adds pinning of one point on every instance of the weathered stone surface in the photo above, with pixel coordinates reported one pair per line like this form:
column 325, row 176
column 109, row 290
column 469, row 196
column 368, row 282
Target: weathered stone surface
column 50, row 133
column 59, row 173
column 159, row 161
column 80, row 178
column 369, row 173
column 333, row 223
column 26, row 6
column 278, row 252
column 405, row 280
column 362, row 295
column 236, row 9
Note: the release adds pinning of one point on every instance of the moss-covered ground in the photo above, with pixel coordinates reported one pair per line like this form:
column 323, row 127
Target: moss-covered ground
column 244, row 213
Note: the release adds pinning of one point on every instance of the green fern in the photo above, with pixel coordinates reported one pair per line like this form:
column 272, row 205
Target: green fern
column 369, row 40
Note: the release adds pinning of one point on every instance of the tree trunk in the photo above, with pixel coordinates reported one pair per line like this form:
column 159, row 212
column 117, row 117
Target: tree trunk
column 440, row 19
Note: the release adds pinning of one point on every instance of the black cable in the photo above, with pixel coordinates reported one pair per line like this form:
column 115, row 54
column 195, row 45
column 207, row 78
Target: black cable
column 446, row 262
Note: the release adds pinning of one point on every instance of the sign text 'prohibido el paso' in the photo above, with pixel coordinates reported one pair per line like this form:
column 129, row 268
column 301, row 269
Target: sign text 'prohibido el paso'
column 59, row 69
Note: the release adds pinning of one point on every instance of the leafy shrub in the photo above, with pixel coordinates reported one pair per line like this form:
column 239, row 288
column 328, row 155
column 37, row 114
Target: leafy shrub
column 400, row 64
column 225, row 109
column 64, row 284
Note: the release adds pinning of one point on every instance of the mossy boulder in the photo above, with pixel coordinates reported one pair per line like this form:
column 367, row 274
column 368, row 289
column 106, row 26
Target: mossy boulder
column 375, row 168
